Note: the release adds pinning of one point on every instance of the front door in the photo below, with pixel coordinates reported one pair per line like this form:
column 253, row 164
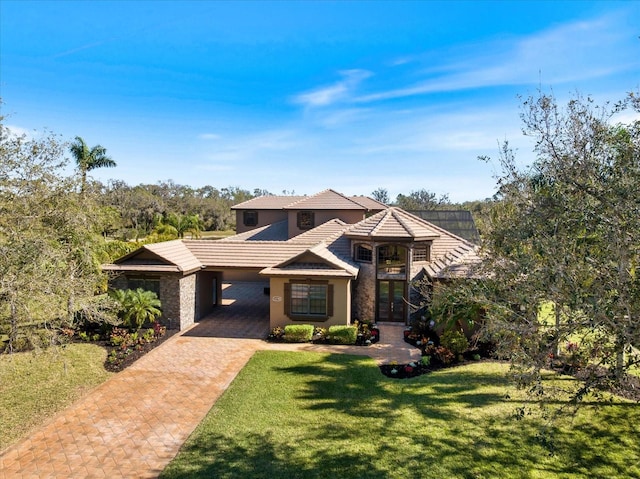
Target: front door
column 391, row 303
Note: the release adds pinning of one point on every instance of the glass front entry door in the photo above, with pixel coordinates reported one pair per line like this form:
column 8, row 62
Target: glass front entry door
column 391, row 304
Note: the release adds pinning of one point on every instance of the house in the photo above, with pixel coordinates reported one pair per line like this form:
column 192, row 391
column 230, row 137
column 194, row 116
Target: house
column 323, row 259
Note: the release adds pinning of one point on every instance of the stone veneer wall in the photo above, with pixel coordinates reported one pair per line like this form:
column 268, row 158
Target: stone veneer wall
column 178, row 296
column 364, row 297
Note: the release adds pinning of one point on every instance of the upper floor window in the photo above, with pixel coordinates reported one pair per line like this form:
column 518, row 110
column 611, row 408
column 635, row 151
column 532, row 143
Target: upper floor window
column 422, row 252
column 250, row 218
column 305, row 220
column 363, row 253
column 392, row 260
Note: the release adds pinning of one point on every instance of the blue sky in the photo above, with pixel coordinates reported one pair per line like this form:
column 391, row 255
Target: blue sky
column 306, row 96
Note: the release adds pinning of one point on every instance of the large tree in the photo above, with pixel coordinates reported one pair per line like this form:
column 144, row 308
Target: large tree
column 88, row 159
column 48, row 234
column 564, row 241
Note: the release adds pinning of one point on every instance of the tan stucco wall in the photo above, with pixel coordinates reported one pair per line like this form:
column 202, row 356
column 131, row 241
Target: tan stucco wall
column 265, row 217
column 341, row 304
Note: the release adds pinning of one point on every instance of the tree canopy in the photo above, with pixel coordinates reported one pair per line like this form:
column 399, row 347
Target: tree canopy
column 563, row 243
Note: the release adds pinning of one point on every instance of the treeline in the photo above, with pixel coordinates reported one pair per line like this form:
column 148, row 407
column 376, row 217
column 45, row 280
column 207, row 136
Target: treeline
column 136, row 212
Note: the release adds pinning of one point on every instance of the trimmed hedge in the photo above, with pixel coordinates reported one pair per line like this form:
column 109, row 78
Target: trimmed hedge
column 298, row 333
column 342, row 334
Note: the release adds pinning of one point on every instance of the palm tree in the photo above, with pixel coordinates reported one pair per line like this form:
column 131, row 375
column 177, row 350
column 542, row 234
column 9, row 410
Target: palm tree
column 138, row 306
column 89, row 159
column 185, row 224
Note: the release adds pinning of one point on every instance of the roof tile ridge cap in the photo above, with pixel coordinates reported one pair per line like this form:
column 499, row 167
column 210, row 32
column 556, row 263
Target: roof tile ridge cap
column 383, row 217
column 348, row 198
column 398, row 214
column 352, row 199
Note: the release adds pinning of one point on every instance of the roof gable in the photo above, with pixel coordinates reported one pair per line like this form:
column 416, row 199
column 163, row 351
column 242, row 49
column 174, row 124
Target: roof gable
column 316, row 261
column 326, row 200
column 169, row 256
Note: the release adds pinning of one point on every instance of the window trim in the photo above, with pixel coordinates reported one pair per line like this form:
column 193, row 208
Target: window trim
column 426, row 248
column 329, row 296
column 305, row 219
column 360, row 247
column 248, row 214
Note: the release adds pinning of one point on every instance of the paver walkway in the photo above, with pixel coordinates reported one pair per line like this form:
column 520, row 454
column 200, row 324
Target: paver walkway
column 133, row 425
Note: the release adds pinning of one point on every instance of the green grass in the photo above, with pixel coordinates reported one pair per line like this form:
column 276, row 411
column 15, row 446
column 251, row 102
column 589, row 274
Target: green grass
column 216, row 234
column 310, row 415
column 35, row 385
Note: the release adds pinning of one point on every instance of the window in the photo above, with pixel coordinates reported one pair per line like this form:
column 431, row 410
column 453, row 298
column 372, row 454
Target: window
column 422, row 252
column 363, row 253
column 308, row 300
column 148, row 284
column 250, row 218
column 305, row 220
column 392, row 260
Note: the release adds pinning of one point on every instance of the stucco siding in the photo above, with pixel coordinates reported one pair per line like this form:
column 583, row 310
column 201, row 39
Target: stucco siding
column 341, row 304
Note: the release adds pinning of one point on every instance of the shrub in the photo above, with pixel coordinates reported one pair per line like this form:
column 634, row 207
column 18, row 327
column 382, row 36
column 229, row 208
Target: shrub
column 319, row 334
column 276, row 334
column 426, row 360
column 455, row 341
column 120, row 338
column 445, row 355
column 298, row 333
column 342, row 334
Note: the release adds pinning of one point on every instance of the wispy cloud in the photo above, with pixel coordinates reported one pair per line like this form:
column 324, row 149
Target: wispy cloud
column 338, row 91
column 209, row 136
column 572, row 52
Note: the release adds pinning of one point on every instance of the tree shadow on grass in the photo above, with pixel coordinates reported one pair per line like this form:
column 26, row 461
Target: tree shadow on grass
column 370, row 426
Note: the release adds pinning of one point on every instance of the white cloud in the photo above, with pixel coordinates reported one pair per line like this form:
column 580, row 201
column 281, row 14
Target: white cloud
column 330, row 94
column 572, row 52
column 209, row 136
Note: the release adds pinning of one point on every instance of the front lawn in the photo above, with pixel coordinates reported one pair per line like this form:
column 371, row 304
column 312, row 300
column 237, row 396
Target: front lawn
column 310, row 415
column 35, row 385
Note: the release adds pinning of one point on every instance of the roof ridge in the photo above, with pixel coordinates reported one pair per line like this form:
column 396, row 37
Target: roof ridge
column 383, row 217
column 397, row 214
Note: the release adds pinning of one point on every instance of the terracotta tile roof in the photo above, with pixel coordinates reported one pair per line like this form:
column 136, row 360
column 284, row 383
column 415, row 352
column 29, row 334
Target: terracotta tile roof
column 369, row 203
column 457, row 263
column 326, row 231
column 393, row 224
column 243, row 254
column 274, row 232
column 269, row 202
column 172, row 256
column 327, row 264
column 267, row 250
column 326, row 200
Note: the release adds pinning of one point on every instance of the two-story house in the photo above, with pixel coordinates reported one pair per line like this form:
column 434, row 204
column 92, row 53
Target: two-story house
column 324, row 259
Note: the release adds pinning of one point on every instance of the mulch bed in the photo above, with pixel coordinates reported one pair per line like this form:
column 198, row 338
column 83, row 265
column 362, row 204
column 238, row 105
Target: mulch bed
column 412, row 370
column 627, row 388
column 135, row 353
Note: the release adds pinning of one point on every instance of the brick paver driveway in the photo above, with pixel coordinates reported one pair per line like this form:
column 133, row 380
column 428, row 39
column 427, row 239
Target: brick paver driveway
column 132, row 425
